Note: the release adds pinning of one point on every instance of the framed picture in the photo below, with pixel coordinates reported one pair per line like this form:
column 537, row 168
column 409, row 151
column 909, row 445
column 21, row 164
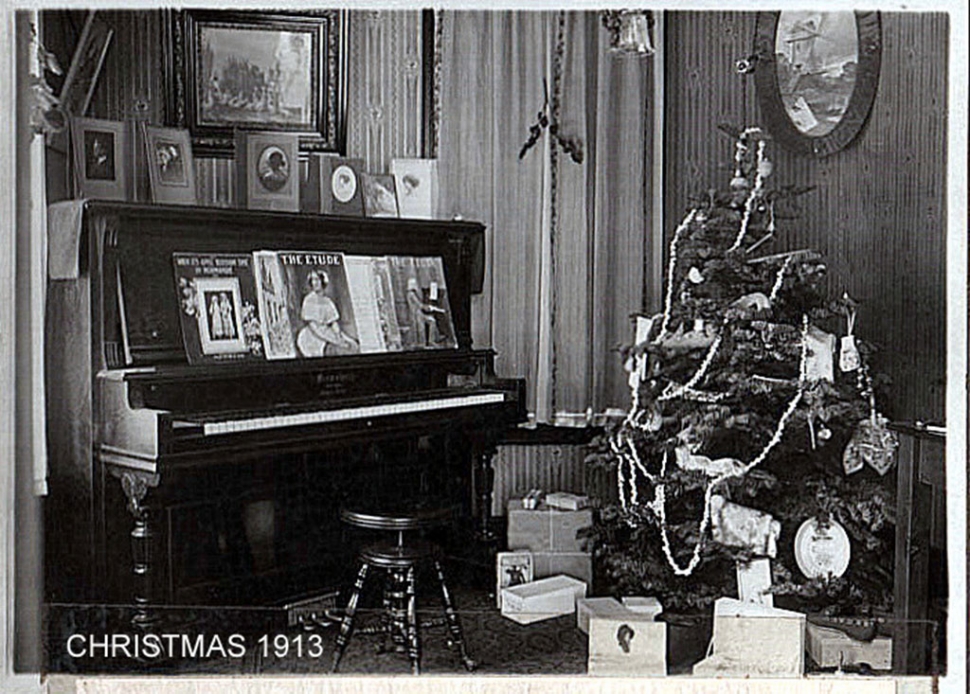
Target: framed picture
column 260, row 71
column 171, row 169
column 98, row 149
column 335, row 183
column 417, row 187
column 82, row 75
column 511, row 569
column 268, row 171
column 380, row 197
column 220, row 315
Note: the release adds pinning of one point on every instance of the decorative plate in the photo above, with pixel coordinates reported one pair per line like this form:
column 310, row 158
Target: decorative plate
column 822, row 551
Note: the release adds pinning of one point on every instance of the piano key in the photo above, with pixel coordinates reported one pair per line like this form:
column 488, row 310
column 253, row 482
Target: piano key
column 216, row 428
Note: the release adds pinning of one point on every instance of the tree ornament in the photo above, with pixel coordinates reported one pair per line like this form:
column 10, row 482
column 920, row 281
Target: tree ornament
column 822, row 550
column 734, row 525
column 695, row 276
column 740, row 183
column 849, row 359
column 821, row 355
column 712, row 468
column 873, row 443
column 755, row 301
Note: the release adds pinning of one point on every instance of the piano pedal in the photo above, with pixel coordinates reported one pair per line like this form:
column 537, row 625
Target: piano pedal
column 316, row 612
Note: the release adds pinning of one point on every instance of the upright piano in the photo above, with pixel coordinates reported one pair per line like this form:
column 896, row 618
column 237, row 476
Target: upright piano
column 219, row 484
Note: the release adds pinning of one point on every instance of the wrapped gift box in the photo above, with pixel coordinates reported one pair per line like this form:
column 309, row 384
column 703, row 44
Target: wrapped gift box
column 648, row 606
column 542, row 599
column 566, row 501
column 545, row 529
column 586, row 608
column 631, row 645
column 756, row 640
column 576, row 564
column 833, row 648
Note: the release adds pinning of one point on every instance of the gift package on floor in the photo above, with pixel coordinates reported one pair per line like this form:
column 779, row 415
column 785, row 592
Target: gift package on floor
column 756, row 640
column 546, row 529
column 629, row 644
column 542, row 599
column 830, row 647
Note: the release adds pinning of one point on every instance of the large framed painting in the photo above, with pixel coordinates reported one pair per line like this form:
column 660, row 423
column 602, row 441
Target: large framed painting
column 817, row 74
column 260, row 71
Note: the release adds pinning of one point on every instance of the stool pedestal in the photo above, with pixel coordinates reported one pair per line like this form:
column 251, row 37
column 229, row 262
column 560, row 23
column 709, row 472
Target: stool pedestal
column 399, row 563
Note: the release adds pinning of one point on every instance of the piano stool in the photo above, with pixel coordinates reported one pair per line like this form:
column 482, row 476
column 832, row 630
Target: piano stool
column 399, row 561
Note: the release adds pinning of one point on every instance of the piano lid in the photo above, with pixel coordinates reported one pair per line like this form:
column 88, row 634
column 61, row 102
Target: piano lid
column 140, row 302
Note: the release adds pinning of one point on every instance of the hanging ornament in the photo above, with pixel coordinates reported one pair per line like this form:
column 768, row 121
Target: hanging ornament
column 695, row 276
column 824, row 433
column 734, row 525
column 756, row 301
column 822, row 550
column 821, row 355
column 873, row 444
column 712, row 468
column 849, row 353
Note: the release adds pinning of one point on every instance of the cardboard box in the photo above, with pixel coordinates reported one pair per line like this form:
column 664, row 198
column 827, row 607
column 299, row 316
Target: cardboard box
column 631, row 645
column 832, row 648
column 542, row 599
column 566, row 501
column 576, row 564
column 545, row 529
column 648, row 606
column 587, row 608
column 756, row 640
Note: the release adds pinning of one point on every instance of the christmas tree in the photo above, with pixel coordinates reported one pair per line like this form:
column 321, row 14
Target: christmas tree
column 750, row 419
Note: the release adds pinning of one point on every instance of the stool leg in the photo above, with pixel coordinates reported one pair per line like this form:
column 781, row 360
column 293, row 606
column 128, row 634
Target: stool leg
column 414, row 645
column 343, row 638
column 454, row 623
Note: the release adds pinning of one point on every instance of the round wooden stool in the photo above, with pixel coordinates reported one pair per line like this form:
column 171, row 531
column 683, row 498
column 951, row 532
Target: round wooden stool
column 399, row 561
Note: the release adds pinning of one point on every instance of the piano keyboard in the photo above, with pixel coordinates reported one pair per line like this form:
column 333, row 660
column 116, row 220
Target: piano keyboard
column 350, row 413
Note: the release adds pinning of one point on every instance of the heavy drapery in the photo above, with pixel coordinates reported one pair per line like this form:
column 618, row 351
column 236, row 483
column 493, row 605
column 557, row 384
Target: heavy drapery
column 568, row 244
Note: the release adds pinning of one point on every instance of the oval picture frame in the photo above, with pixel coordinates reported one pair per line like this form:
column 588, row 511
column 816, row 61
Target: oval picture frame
column 774, row 114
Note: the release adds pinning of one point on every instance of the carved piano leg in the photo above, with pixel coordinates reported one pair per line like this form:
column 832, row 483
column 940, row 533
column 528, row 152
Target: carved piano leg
column 484, row 486
column 135, row 486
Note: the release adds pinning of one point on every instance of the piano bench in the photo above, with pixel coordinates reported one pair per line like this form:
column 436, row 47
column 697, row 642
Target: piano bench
column 399, row 561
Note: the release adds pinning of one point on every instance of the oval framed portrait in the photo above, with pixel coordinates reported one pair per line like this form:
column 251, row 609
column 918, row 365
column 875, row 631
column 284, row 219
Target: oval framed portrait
column 343, row 183
column 816, row 76
column 273, row 168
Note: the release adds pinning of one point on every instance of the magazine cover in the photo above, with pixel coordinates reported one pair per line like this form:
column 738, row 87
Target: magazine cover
column 373, row 301
column 421, row 302
column 319, row 307
column 271, row 292
column 217, row 306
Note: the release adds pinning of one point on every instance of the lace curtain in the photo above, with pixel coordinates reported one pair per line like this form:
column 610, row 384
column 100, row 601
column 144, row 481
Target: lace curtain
column 568, row 244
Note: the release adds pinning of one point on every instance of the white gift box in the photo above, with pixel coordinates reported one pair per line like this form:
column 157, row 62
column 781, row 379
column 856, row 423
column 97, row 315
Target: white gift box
column 567, row 501
column 753, row 639
column 832, row 648
column 542, row 599
column 630, row 645
column 647, row 606
column 587, row 608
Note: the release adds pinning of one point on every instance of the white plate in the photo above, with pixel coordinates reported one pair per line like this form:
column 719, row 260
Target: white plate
column 822, row 552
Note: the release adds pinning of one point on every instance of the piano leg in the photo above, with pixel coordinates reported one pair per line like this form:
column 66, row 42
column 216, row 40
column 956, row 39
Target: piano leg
column 484, row 486
column 135, row 486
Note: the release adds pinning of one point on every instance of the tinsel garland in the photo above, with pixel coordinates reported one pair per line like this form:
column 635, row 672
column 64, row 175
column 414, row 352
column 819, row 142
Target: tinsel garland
column 659, row 504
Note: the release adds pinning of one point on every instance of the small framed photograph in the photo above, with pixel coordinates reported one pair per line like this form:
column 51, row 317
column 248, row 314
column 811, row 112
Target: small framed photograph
column 220, row 317
column 417, row 187
column 99, row 158
column 268, row 171
column 171, row 169
column 380, row 196
column 512, row 569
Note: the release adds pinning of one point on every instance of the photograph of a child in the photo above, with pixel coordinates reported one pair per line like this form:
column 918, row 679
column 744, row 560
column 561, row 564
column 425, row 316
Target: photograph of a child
column 219, row 315
column 99, row 155
column 273, row 168
column 170, row 162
